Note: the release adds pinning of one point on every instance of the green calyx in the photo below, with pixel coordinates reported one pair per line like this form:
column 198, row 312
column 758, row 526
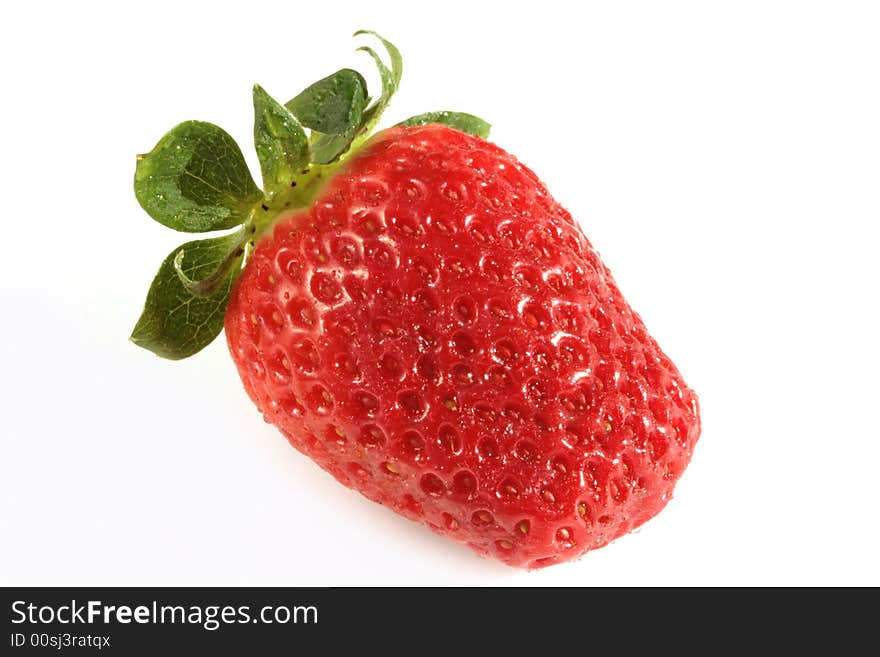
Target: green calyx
column 196, row 180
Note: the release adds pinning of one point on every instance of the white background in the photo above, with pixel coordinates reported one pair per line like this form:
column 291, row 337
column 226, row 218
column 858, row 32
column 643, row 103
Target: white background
column 723, row 157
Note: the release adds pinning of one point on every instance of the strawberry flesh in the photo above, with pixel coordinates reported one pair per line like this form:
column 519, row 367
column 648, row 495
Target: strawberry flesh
column 438, row 333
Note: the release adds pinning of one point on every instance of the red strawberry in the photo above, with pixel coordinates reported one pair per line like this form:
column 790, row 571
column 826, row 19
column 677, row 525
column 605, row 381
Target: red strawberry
column 435, row 331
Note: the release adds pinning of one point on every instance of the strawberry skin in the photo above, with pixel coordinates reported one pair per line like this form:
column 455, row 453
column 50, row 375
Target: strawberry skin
column 437, row 333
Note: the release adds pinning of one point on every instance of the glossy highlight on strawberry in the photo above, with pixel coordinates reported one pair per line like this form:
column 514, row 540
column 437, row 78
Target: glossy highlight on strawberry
column 416, row 313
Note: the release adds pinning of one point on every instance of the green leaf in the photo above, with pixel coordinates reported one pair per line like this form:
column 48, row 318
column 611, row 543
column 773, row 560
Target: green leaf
column 195, row 180
column 473, row 125
column 390, row 80
column 327, row 148
column 207, row 286
column 175, row 323
column 281, row 143
column 332, row 108
column 333, row 105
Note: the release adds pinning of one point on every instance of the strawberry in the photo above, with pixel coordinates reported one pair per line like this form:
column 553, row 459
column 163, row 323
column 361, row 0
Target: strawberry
column 417, row 314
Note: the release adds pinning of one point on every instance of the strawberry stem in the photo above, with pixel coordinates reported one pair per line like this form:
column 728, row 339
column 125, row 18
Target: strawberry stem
column 301, row 192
